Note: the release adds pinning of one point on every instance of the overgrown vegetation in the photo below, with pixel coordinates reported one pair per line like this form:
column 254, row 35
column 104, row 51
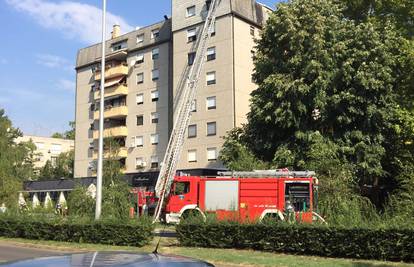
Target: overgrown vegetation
column 334, row 80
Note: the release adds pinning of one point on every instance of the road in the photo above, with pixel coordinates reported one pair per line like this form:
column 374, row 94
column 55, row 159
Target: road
column 11, row 252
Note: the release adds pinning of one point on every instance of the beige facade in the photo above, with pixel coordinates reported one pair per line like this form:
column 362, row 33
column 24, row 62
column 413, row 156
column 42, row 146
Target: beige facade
column 47, row 148
column 146, row 67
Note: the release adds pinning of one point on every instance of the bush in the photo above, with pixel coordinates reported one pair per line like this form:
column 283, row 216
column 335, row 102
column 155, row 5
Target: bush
column 364, row 243
column 102, row 232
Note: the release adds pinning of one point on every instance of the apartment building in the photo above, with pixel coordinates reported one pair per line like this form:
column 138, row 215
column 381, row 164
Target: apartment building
column 47, row 148
column 144, row 70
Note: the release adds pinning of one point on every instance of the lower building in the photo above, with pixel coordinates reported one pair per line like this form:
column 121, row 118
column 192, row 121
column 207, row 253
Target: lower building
column 47, row 148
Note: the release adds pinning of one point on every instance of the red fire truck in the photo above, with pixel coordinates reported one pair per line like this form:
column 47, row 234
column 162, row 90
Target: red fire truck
column 242, row 196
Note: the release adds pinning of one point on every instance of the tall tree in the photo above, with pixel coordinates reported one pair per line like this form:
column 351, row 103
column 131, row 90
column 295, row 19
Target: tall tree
column 16, row 161
column 326, row 79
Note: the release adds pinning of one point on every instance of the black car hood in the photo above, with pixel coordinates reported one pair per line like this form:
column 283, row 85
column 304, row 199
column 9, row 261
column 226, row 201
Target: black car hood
column 95, row 259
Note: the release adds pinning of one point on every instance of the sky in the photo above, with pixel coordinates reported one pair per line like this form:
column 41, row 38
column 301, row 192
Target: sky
column 39, row 43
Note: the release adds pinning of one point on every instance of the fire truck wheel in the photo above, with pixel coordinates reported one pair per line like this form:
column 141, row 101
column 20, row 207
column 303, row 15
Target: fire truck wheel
column 192, row 214
column 271, row 218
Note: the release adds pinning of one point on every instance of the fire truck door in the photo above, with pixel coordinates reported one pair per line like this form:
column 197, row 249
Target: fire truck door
column 180, row 196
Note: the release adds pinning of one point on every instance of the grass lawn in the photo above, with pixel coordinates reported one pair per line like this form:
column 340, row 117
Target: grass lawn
column 219, row 257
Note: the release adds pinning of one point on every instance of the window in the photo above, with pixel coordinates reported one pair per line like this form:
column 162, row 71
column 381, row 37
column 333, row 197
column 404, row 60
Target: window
column 154, row 96
column 139, row 162
column 53, row 160
column 192, row 130
column 298, row 194
column 140, row 58
column 252, row 30
column 92, row 126
column 192, row 155
column 56, row 148
column 140, row 99
column 194, row 106
column 211, row 153
column 140, row 120
column 140, row 38
column 119, row 46
column 191, row 11
column 211, row 102
column 181, row 188
column 211, row 128
column 154, row 139
column 139, row 141
column 140, row 78
column 155, row 53
column 211, row 77
column 191, row 35
column 154, row 117
column 211, row 53
column 154, row 162
column 93, row 88
column 155, row 33
column 191, row 58
column 208, row 3
column 40, row 145
column 155, row 74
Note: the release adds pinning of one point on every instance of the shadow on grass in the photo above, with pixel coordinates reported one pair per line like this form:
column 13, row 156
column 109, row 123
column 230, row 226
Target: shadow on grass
column 365, row 264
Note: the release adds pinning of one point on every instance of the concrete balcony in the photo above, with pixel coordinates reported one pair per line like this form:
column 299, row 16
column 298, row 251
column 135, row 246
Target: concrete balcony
column 112, row 113
column 120, row 131
column 122, row 153
column 112, row 72
column 115, row 90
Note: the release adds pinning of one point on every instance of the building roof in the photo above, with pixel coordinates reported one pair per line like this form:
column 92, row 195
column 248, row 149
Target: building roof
column 92, row 54
column 57, row 185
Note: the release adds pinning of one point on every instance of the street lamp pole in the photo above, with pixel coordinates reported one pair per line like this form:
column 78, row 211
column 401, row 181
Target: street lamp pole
column 98, row 208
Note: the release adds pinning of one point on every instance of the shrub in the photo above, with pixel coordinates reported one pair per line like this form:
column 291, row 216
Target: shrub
column 102, row 232
column 364, row 243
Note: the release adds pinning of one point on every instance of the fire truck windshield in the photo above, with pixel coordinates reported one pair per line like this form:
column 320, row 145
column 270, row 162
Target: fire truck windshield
column 298, row 194
column 181, row 188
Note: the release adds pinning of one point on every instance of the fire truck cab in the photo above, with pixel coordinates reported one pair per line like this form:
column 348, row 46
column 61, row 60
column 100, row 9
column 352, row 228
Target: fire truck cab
column 244, row 196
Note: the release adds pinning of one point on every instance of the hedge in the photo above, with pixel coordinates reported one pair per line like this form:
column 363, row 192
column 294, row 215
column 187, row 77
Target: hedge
column 108, row 233
column 361, row 243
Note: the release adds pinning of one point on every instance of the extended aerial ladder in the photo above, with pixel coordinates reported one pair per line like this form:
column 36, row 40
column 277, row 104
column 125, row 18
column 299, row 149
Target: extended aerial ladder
column 183, row 111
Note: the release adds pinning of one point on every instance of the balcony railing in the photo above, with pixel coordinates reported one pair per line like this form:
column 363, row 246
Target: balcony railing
column 122, row 153
column 116, row 90
column 113, row 112
column 120, row 131
column 113, row 71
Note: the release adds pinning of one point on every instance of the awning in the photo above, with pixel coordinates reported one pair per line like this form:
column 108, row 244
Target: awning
column 112, row 82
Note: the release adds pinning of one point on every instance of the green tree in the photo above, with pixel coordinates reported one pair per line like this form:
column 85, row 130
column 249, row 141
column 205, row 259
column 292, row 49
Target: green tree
column 115, row 194
column 111, row 165
column 16, row 161
column 80, row 203
column 58, row 135
column 63, row 167
column 69, row 134
column 236, row 156
column 319, row 73
column 47, row 172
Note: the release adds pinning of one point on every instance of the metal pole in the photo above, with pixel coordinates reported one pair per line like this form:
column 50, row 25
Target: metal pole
column 101, row 119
